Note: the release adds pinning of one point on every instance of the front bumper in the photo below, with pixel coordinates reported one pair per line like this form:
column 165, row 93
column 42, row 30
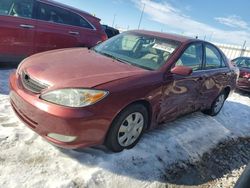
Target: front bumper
column 88, row 125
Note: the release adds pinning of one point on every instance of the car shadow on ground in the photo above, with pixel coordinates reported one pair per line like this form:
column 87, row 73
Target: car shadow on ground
column 243, row 93
column 4, row 79
column 192, row 150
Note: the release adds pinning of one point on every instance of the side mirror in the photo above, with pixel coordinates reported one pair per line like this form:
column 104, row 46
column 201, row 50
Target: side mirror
column 182, row 70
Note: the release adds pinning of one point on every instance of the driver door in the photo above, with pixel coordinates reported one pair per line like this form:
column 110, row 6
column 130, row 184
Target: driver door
column 181, row 94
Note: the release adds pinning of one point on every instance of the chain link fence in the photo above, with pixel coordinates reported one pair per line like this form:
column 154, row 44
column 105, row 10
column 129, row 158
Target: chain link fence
column 233, row 51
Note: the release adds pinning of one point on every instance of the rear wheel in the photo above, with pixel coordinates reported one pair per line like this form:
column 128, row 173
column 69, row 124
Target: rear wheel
column 127, row 128
column 216, row 105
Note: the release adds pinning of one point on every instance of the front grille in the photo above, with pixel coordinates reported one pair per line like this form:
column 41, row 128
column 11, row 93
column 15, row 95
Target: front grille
column 32, row 84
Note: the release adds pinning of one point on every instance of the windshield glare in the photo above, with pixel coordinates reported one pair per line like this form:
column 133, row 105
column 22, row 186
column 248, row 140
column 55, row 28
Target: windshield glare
column 147, row 52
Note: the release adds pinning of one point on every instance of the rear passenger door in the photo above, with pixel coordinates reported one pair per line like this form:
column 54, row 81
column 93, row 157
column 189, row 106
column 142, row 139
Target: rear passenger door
column 55, row 28
column 17, row 29
column 215, row 74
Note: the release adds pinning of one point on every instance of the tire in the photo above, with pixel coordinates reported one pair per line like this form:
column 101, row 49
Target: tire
column 127, row 128
column 216, row 105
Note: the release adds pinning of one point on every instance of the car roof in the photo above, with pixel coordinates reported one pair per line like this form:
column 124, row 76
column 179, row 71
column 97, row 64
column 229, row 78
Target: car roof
column 56, row 3
column 179, row 38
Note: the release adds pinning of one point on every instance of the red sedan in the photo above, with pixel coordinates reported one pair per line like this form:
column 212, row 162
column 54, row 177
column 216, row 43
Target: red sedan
column 32, row 26
column 243, row 63
column 114, row 92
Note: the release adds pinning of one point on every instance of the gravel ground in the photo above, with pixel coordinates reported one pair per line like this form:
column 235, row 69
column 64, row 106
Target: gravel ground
column 220, row 168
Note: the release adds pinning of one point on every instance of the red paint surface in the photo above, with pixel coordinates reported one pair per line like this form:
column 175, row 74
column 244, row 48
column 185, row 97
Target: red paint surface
column 17, row 43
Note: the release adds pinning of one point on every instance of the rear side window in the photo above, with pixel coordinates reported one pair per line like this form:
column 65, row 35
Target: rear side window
column 17, row 8
column 192, row 57
column 213, row 58
column 79, row 21
column 57, row 15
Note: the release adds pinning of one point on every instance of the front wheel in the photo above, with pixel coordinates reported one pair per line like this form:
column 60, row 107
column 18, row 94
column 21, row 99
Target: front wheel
column 127, row 128
column 216, row 105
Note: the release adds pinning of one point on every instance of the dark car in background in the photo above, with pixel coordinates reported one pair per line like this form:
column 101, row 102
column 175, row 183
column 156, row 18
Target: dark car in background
column 31, row 26
column 114, row 92
column 110, row 31
column 243, row 63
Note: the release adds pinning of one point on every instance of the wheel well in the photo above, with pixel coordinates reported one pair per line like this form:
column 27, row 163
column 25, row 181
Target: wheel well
column 142, row 102
column 148, row 107
column 227, row 91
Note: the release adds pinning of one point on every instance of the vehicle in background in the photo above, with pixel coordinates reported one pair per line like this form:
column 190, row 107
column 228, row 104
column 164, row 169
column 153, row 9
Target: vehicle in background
column 31, row 26
column 114, row 92
column 243, row 63
column 110, row 31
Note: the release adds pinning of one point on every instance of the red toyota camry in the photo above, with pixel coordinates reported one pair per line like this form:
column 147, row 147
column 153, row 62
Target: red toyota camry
column 112, row 93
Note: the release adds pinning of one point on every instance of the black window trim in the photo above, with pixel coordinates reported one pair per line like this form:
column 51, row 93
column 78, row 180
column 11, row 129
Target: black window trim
column 50, row 4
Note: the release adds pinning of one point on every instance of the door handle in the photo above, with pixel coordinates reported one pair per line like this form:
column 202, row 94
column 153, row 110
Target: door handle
column 27, row 26
column 73, row 32
column 201, row 78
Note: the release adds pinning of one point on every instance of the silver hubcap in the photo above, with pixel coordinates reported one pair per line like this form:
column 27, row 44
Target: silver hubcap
column 130, row 129
column 219, row 103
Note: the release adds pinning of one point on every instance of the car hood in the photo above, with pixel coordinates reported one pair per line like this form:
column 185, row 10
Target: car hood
column 77, row 67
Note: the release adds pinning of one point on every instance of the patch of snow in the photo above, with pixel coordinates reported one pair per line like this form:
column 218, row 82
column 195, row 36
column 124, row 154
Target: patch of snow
column 26, row 160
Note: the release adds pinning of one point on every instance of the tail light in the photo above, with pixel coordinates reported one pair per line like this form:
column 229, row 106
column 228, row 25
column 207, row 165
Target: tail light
column 245, row 75
column 104, row 37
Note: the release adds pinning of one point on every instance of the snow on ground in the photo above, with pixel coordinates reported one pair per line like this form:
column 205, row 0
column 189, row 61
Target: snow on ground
column 26, row 160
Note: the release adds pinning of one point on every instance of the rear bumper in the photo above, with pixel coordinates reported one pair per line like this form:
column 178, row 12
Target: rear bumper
column 87, row 125
column 244, row 84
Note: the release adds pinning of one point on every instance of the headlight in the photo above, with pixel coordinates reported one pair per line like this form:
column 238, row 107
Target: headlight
column 74, row 97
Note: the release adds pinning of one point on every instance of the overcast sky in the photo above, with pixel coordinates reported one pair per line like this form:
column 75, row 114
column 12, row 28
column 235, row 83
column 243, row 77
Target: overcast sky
column 225, row 21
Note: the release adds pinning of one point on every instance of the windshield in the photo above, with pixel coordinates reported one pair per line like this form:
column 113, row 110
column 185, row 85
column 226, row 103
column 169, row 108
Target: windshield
column 242, row 62
column 148, row 52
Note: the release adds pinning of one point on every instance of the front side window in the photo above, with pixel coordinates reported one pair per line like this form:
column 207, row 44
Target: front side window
column 57, row 15
column 148, row 52
column 5, row 7
column 191, row 57
column 213, row 58
column 17, row 8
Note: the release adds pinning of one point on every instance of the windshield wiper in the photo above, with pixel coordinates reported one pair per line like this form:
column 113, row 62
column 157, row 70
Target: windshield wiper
column 121, row 60
column 113, row 57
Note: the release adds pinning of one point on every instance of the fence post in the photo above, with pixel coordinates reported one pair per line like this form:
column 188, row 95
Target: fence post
column 243, row 48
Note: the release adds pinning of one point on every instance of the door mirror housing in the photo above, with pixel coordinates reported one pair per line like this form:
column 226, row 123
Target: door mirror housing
column 182, row 70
